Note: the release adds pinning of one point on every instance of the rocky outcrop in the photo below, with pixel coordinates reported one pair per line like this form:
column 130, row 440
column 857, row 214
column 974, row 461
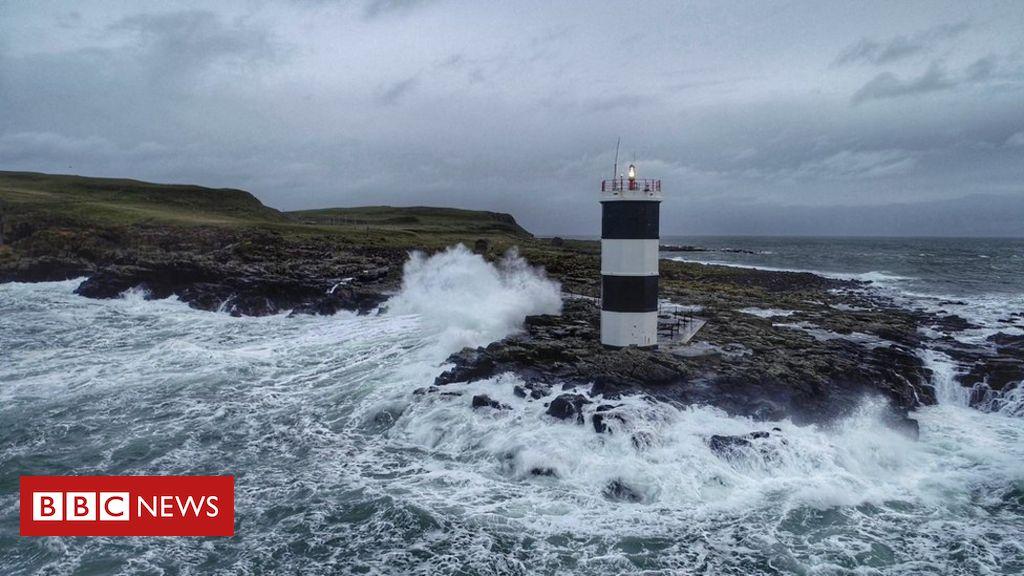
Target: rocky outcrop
column 246, row 290
column 794, row 376
column 568, row 406
column 485, row 401
column 991, row 370
column 46, row 269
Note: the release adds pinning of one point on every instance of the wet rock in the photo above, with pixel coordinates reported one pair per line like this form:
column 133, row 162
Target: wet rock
column 543, row 471
column 481, row 246
column 619, row 491
column 567, row 406
column 725, row 445
column 902, row 424
column 373, row 274
column 485, row 401
column 602, row 415
column 997, row 368
column 782, row 374
column 248, row 290
column 342, row 298
column 45, row 269
column 642, row 440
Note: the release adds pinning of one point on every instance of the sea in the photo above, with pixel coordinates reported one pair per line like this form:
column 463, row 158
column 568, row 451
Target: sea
column 341, row 467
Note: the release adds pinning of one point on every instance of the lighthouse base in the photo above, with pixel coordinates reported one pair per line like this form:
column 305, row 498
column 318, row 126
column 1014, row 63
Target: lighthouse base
column 622, row 329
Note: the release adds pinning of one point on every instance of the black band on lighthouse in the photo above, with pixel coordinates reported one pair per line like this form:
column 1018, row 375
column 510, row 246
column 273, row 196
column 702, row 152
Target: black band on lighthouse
column 629, row 293
column 629, row 220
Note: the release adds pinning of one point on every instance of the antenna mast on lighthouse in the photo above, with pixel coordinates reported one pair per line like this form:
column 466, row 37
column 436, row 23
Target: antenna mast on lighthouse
column 615, row 169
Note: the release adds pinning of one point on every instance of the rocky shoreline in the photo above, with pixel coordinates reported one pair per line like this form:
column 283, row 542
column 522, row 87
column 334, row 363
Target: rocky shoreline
column 243, row 273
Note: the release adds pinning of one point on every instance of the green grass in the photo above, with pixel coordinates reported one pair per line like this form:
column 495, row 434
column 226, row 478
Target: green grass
column 83, row 204
column 414, row 219
column 121, row 201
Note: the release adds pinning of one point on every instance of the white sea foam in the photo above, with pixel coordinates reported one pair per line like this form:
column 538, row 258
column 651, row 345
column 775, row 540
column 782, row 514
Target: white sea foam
column 766, row 312
column 945, row 378
column 874, row 276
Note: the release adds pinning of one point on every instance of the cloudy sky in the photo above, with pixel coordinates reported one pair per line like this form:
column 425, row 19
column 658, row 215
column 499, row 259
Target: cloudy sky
column 897, row 118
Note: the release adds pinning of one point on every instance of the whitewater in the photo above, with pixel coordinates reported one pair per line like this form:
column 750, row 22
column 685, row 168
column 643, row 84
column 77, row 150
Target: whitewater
column 342, row 467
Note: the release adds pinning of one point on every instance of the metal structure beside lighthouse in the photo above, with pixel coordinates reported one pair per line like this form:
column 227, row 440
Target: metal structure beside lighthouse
column 629, row 260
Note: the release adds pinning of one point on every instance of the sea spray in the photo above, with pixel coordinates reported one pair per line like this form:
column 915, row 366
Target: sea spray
column 469, row 301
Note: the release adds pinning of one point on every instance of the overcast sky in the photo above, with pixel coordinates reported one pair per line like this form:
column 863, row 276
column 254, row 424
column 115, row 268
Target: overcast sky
column 898, row 118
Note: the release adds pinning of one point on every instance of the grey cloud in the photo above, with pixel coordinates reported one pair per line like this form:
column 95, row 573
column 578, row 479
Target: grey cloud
column 69, row 20
column 394, row 93
column 1015, row 140
column 934, row 79
column 856, row 164
column 627, row 101
column 888, row 85
column 875, row 52
column 378, row 8
column 191, row 40
column 981, row 69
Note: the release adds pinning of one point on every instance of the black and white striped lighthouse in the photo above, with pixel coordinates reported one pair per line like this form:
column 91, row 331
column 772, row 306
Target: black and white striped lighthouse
column 629, row 261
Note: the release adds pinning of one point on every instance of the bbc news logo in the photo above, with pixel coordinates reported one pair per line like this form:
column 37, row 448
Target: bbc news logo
column 127, row 505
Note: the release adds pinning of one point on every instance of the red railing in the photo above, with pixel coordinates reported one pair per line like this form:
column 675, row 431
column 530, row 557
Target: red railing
column 636, row 184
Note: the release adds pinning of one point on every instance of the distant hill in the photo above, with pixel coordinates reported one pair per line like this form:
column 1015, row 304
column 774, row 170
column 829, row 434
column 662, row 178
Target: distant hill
column 64, row 200
column 419, row 218
column 122, row 201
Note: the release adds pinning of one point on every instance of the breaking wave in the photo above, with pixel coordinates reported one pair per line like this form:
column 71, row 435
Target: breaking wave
column 471, row 301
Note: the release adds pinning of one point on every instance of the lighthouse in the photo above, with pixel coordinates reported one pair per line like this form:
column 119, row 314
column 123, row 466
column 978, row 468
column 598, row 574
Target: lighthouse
column 629, row 260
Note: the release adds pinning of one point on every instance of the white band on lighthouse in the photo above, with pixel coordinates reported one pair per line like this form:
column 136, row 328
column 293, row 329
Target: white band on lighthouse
column 629, row 257
column 621, row 329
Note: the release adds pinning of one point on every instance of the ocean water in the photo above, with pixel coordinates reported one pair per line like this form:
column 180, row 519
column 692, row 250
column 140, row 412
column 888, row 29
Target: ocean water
column 341, row 468
column 981, row 279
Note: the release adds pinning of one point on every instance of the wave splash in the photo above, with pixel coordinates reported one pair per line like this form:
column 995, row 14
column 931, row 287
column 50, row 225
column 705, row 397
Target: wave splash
column 469, row 301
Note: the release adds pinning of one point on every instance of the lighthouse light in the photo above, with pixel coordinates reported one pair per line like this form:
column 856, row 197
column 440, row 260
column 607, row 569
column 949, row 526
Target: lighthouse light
column 632, row 172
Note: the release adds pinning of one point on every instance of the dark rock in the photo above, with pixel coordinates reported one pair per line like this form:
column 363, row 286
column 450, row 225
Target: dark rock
column 677, row 248
column 725, row 445
column 995, row 372
column 602, row 416
column 557, row 241
column 484, row 401
column 784, row 373
column 373, row 274
column 481, row 246
column 997, row 368
column 342, row 298
column 543, row 471
column 470, row 365
column 45, row 269
column 642, row 440
column 619, row 491
column 902, row 424
column 567, row 406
